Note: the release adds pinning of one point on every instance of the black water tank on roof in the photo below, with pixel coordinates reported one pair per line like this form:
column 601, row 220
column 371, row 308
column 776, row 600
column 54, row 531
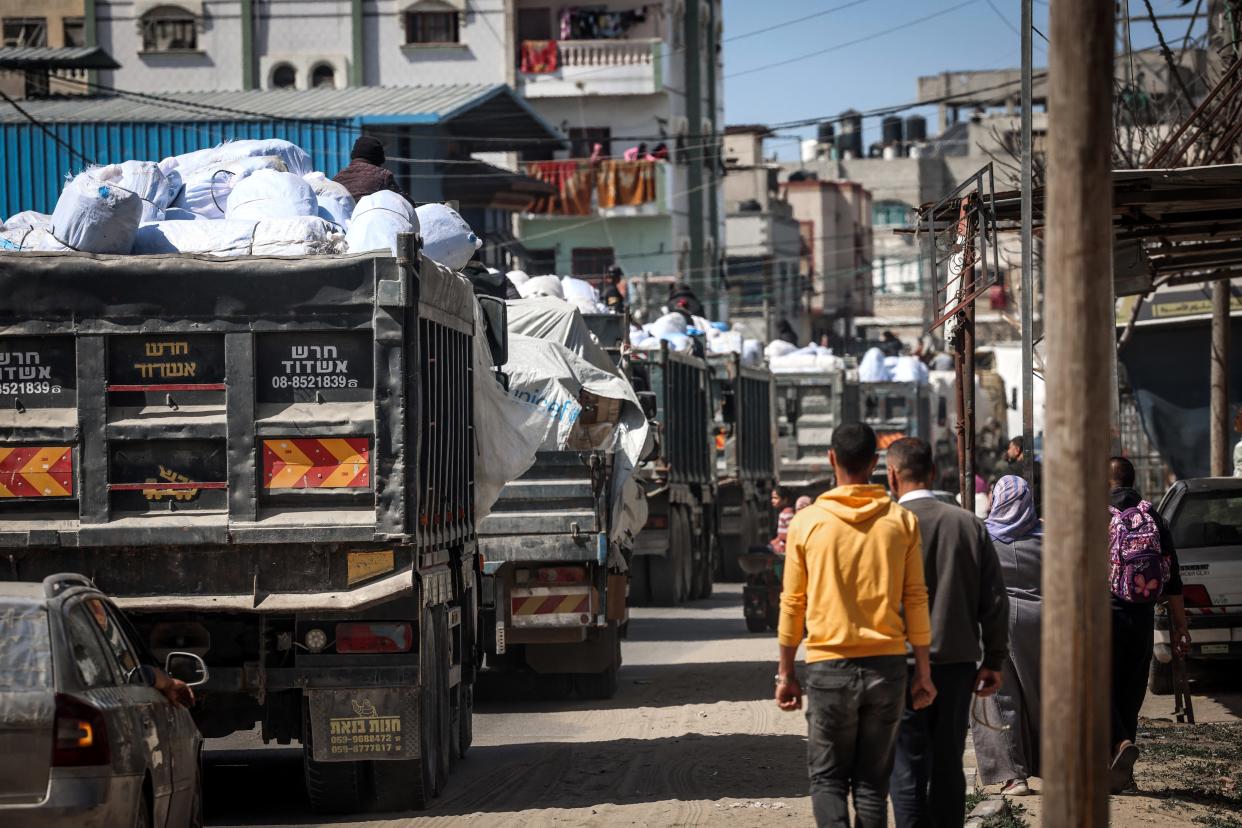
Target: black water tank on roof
column 827, row 132
column 890, row 131
column 916, row 129
column 849, row 138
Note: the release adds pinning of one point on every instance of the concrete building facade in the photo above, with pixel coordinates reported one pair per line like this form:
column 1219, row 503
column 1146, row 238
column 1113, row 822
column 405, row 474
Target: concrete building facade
column 51, row 23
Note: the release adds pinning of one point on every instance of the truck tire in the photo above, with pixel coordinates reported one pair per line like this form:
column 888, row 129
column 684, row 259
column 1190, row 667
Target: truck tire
column 640, row 582
column 1160, row 678
column 334, row 787
column 554, row 686
column 708, row 570
column 756, row 624
column 668, row 574
column 602, row 685
column 688, row 556
column 465, row 720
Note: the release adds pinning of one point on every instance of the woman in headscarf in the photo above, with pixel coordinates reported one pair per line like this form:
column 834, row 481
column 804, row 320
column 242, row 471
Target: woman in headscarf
column 1006, row 726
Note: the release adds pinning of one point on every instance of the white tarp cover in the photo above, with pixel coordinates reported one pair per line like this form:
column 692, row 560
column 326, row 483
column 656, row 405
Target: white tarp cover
column 535, row 286
column 378, row 219
column 447, row 237
column 301, row 236
column 293, row 158
column 94, row 214
column 545, row 317
column 149, row 183
column 207, row 189
column 335, row 202
column 556, row 359
column 271, row 194
column 27, row 218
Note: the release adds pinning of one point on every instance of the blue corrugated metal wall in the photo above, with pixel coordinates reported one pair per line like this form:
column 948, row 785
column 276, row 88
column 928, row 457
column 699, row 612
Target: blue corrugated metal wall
column 34, row 166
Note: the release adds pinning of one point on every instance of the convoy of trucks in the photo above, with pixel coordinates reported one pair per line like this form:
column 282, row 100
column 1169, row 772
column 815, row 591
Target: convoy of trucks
column 272, row 463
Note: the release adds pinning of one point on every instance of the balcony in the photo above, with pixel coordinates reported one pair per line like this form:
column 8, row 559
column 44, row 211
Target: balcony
column 570, row 68
column 608, row 189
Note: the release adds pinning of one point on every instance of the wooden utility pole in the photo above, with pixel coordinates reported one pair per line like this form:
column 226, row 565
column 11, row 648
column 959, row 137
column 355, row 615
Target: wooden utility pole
column 1221, row 462
column 1079, row 324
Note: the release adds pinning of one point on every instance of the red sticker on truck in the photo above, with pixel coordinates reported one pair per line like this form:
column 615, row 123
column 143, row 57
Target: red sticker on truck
column 317, row 463
column 36, row 471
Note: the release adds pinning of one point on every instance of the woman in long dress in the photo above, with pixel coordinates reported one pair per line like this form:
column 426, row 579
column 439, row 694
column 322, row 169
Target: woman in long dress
column 1005, row 729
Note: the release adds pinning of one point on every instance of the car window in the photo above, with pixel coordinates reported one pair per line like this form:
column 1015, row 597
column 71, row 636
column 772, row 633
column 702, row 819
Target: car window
column 1208, row 519
column 93, row 665
column 114, row 637
column 25, row 646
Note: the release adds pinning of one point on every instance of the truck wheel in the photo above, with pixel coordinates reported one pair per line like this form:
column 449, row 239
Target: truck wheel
column 668, row 574
column 334, row 787
column 756, row 624
column 1160, row 678
column 553, row 686
column 602, row 685
column 709, row 566
column 689, row 548
column 640, row 583
column 418, row 779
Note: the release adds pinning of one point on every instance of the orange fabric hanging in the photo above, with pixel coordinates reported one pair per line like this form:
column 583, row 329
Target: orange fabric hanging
column 628, row 183
column 539, row 57
column 573, row 183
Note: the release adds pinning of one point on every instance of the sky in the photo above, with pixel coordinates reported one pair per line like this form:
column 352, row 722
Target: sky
column 900, row 40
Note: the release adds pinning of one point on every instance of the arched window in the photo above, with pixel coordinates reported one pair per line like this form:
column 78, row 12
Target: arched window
column 323, row 76
column 169, row 29
column 284, row 76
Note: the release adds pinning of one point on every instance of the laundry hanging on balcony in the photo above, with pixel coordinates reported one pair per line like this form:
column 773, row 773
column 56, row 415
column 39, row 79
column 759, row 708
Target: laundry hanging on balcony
column 626, row 183
column 539, row 57
column 590, row 24
column 574, row 185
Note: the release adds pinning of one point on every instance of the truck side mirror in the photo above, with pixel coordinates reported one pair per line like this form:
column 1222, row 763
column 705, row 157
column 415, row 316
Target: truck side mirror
column 496, row 315
column 647, row 399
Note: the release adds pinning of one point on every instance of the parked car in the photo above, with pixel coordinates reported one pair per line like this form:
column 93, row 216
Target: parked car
column 86, row 739
column 1205, row 518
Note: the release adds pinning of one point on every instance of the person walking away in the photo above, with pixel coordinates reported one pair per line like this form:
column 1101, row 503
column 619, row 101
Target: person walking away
column 1006, row 736
column 612, row 297
column 366, row 172
column 969, row 621
column 853, row 563
column 1144, row 571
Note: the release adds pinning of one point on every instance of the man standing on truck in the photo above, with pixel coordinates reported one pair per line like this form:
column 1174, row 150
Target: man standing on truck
column 853, row 564
column 366, row 173
column 967, row 598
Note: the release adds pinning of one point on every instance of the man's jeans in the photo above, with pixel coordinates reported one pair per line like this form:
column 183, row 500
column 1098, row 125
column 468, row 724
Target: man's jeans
column 853, row 710
column 928, row 784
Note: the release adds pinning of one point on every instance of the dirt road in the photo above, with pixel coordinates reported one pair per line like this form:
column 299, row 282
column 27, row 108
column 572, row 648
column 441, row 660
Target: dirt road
column 692, row 738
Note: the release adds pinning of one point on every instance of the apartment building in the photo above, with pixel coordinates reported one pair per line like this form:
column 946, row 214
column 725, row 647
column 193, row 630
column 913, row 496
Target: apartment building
column 48, row 24
column 767, row 257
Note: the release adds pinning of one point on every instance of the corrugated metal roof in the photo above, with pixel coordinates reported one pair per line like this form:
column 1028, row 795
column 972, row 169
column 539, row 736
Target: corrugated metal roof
column 368, row 104
column 69, row 57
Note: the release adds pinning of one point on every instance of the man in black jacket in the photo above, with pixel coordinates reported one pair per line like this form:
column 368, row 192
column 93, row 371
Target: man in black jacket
column 366, row 172
column 968, row 607
column 1132, row 634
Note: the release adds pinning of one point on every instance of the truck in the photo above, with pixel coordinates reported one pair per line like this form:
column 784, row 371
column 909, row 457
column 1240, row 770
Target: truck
column 745, row 400
column 674, row 556
column 269, row 463
column 810, row 405
column 896, row 410
column 552, row 604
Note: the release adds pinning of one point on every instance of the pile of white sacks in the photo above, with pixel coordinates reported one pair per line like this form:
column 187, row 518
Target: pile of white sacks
column 241, row 198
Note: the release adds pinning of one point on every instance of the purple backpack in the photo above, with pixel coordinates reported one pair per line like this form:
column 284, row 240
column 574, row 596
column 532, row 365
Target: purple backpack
column 1140, row 569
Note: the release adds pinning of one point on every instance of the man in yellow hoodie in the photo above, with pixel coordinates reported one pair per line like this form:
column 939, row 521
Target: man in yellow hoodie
column 853, row 569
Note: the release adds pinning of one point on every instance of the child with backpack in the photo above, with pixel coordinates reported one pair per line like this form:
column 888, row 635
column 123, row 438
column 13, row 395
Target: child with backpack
column 1143, row 572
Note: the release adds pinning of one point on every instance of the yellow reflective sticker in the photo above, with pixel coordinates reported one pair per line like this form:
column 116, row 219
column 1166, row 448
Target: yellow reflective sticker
column 364, row 565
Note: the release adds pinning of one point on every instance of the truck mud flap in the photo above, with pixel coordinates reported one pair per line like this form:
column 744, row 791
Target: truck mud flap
column 364, row 723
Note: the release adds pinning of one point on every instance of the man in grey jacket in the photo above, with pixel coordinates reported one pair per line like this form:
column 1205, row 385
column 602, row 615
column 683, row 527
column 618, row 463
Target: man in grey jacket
column 969, row 608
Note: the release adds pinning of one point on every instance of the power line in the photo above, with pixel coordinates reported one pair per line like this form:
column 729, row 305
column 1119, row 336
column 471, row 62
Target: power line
column 853, row 42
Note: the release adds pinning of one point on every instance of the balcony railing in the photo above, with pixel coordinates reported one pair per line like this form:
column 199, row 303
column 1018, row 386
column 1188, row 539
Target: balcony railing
column 575, row 67
column 611, row 187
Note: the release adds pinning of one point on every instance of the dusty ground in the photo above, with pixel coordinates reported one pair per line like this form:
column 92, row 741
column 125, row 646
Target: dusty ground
column 692, row 738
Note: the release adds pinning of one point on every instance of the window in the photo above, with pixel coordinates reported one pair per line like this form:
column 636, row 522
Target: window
column 25, row 31
column 26, row 655
column 323, row 76
column 583, row 139
column 431, row 27
column 541, row 262
column 592, row 263
column 284, row 76
column 892, row 212
column 75, row 31
column 169, row 29
column 113, row 635
column 1211, row 518
column 93, row 666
